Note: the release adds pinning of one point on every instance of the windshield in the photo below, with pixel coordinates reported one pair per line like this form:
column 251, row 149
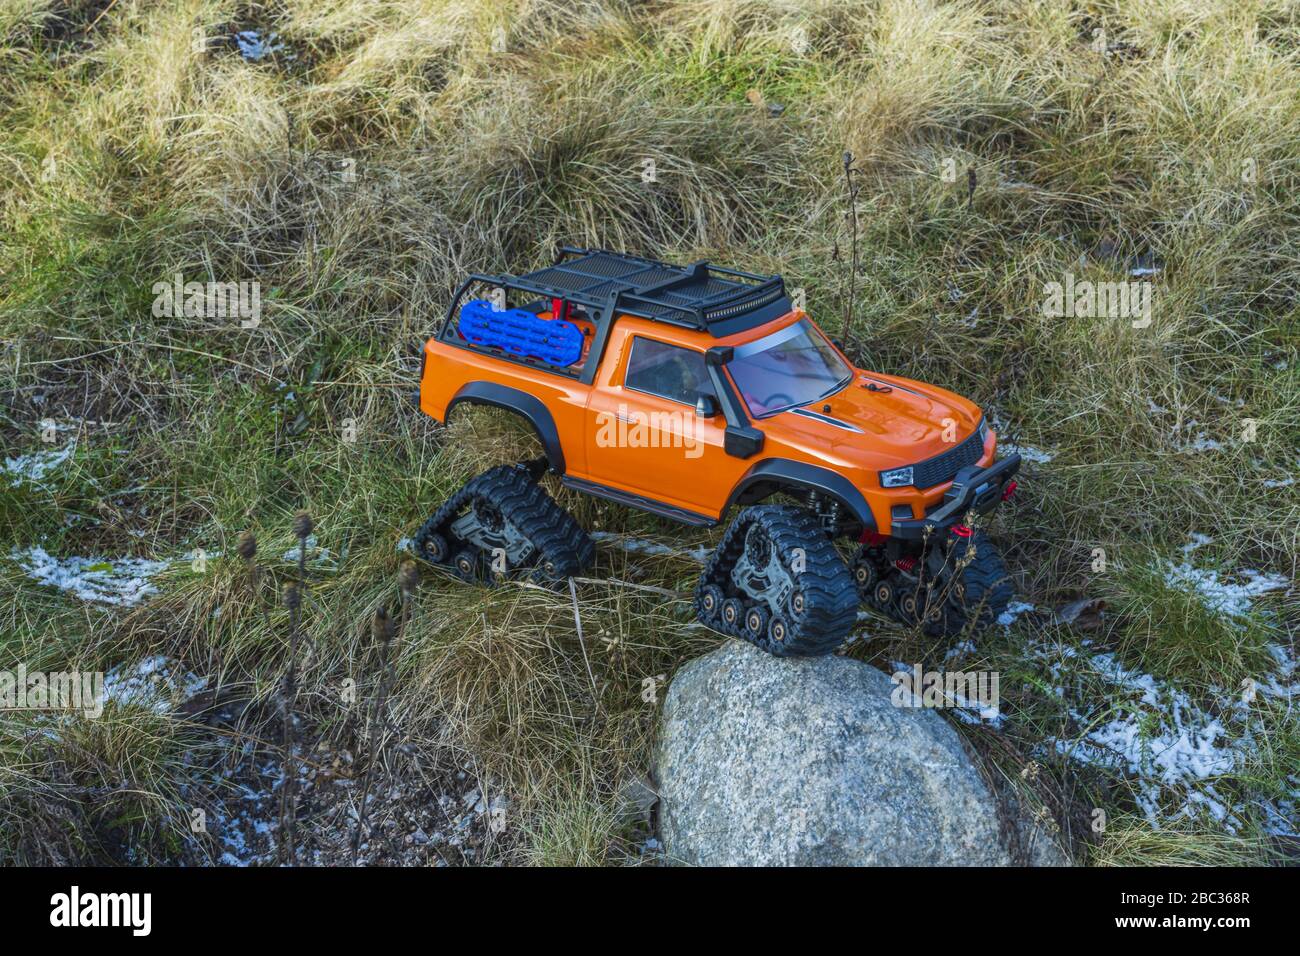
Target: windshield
column 786, row 369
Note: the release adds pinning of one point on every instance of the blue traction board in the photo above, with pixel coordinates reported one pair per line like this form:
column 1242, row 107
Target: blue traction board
column 520, row 332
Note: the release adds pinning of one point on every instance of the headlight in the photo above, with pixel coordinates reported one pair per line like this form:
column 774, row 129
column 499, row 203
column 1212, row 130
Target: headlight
column 984, row 429
column 896, row 478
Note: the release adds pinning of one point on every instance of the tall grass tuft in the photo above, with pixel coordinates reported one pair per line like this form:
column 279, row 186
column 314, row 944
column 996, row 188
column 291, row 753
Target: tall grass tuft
column 384, row 631
column 381, row 630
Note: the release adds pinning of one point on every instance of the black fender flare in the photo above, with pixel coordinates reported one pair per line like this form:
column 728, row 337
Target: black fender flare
column 775, row 473
column 521, row 403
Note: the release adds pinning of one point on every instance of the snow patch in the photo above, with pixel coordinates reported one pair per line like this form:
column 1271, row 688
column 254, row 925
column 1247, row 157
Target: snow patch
column 154, row 683
column 1202, row 443
column 1227, row 597
column 35, row 467
column 1013, row 611
column 1166, row 744
column 1006, row 446
column 124, row 582
column 255, row 47
column 1027, row 452
column 1170, row 748
column 958, row 650
column 1282, row 683
column 316, row 555
column 634, row 545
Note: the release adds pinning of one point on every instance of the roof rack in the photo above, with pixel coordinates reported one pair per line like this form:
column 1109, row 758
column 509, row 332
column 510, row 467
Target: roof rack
column 699, row 296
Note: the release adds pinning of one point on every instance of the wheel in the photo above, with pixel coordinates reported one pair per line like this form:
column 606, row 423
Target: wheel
column 708, row 603
column 778, row 631
column 505, row 520
column 780, row 559
column 466, row 564
column 547, row 572
column 733, row 613
column 908, row 606
column 433, row 548
column 882, row 596
column 865, row 576
column 796, row 606
column 756, row 618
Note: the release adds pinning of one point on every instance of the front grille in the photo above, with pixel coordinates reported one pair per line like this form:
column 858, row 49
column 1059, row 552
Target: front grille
column 941, row 468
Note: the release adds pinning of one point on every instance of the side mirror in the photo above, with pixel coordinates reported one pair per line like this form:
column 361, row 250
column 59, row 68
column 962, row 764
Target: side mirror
column 706, row 406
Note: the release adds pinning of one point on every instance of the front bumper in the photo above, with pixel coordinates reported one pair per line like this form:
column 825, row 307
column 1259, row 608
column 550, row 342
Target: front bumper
column 973, row 489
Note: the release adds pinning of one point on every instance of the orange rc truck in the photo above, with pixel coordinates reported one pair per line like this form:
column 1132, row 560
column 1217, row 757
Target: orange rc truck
column 686, row 391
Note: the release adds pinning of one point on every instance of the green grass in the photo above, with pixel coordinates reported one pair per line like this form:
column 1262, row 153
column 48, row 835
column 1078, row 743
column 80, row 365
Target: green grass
column 1174, row 634
column 470, row 156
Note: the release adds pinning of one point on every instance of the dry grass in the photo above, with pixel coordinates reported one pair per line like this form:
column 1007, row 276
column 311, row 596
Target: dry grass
column 483, row 134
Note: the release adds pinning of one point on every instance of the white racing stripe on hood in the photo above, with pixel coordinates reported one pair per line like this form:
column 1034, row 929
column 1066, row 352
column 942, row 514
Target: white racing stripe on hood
column 817, row 416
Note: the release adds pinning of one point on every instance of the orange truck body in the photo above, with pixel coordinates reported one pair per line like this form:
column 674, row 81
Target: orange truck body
column 678, row 461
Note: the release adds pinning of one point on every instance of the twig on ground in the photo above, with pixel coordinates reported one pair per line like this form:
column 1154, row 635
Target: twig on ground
column 577, row 621
column 302, row 527
column 852, row 187
column 287, row 851
column 381, row 628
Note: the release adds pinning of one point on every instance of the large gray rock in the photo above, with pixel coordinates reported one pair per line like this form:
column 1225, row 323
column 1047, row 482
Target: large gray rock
column 764, row 761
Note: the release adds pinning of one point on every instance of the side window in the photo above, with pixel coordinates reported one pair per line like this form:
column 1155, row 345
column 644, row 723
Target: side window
column 668, row 371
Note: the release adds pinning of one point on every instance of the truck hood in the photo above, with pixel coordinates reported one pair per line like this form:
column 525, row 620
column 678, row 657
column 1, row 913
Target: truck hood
column 901, row 423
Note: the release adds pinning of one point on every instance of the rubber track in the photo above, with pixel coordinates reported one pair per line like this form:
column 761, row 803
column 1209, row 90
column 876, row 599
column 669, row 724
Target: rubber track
column 984, row 577
column 553, row 532
column 988, row 588
column 830, row 594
